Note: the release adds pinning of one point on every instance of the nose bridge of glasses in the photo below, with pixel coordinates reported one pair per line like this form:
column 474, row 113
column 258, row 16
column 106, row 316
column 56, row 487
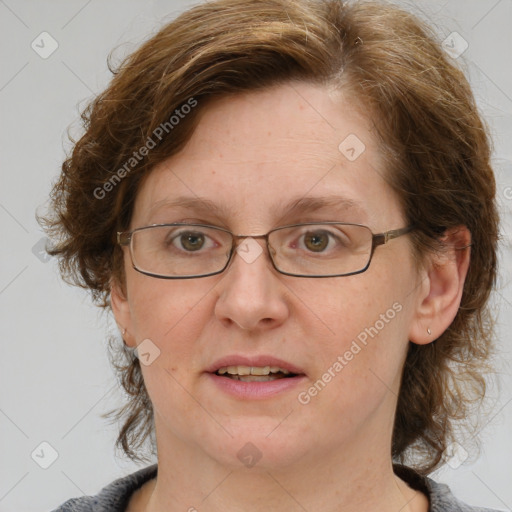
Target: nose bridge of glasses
column 248, row 248
column 239, row 239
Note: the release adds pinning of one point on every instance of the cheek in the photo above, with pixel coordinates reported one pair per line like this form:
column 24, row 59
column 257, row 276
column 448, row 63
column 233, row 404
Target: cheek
column 360, row 358
column 158, row 305
column 347, row 308
column 171, row 314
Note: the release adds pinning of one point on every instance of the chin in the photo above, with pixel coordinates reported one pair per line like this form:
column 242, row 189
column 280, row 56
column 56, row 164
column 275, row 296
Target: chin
column 263, row 444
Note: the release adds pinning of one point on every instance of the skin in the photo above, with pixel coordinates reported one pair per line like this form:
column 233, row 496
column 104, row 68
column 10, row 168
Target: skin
column 251, row 154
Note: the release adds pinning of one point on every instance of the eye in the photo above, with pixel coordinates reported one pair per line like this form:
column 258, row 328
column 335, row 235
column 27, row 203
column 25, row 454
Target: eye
column 317, row 241
column 322, row 240
column 190, row 241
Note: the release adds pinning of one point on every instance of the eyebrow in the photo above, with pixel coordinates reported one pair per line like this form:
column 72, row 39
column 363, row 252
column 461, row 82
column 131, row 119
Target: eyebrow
column 297, row 206
column 311, row 204
column 198, row 204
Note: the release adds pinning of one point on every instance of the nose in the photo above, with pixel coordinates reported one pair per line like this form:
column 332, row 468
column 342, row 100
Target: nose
column 251, row 293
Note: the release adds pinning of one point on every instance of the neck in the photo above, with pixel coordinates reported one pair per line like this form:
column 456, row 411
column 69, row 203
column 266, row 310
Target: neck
column 192, row 481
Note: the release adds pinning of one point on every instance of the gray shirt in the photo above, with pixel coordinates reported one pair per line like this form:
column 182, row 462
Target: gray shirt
column 115, row 496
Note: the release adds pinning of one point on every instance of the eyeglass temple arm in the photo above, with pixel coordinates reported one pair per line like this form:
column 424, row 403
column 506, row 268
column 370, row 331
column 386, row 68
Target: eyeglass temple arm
column 124, row 237
column 383, row 238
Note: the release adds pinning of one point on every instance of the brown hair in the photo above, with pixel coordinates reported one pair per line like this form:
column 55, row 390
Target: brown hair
column 435, row 144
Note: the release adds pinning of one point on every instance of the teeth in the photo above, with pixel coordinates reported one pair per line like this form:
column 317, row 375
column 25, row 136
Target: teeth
column 251, row 370
column 256, row 378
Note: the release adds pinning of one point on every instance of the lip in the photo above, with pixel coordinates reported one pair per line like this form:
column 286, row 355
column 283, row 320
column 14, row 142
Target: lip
column 259, row 360
column 254, row 390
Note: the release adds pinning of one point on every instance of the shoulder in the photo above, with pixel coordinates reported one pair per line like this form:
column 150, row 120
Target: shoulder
column 112, row 498
column 442, row 500
column 440, row 496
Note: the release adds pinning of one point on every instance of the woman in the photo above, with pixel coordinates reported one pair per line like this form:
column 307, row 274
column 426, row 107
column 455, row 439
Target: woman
column 289, row 209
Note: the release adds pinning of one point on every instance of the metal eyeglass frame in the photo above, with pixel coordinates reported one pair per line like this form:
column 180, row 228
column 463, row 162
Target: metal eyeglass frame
column 124, row 238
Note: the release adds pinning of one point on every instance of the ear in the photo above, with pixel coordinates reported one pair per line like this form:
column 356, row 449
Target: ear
column 441, row 289
column 122, row 312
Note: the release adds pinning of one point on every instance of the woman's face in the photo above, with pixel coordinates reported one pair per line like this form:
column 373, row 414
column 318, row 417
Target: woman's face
column 293, row 153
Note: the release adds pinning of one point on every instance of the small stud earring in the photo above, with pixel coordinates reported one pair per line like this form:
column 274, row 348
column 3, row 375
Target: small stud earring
column 429, row 331
column 124, row 331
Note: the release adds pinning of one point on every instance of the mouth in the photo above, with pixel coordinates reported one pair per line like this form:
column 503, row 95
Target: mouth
column 257, row 377
column 254, row 373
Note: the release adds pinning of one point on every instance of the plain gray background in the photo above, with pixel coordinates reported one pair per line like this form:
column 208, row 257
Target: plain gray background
column 54, row 375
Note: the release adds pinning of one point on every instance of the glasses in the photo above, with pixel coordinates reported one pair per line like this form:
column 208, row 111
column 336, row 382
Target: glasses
column 184, row 251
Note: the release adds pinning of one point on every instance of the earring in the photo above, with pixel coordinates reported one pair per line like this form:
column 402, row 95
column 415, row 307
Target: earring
column 429, row 331
column 131, row 350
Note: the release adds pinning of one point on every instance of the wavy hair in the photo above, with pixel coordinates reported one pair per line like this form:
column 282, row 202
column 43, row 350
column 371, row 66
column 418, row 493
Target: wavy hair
column 435, row 144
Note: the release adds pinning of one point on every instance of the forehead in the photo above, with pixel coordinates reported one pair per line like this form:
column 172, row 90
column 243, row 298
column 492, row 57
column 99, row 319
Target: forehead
column 255, row 155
